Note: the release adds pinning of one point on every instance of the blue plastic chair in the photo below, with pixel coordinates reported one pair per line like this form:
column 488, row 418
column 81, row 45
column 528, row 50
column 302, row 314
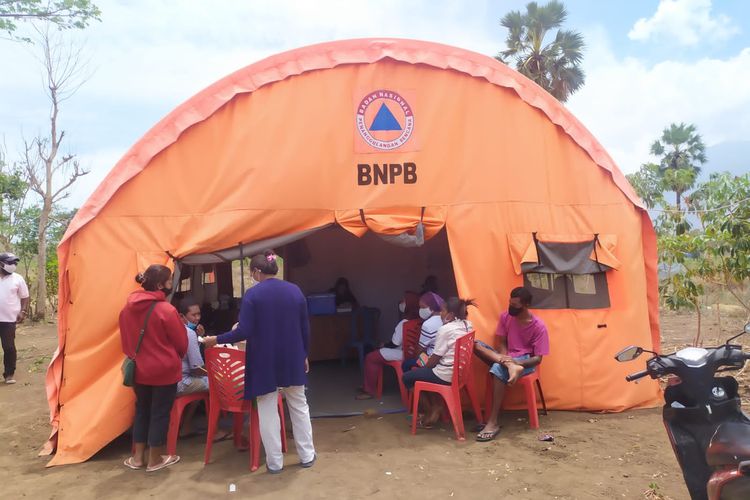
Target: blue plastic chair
column 369, row 317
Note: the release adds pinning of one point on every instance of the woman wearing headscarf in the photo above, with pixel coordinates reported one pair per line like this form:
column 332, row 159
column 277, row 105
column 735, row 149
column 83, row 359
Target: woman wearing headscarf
column 374, row 361
column 430, row 305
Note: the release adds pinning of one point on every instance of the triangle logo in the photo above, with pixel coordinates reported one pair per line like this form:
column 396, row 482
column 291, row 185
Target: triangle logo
column 384, row 120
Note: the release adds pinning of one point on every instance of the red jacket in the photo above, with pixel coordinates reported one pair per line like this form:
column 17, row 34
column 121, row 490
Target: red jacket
column 159, row 360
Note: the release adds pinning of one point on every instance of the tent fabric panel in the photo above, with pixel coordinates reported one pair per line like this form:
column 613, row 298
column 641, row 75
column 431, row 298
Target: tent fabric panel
column 327, row 56
column 123, row 246
column 576, row 374
column 392, row 221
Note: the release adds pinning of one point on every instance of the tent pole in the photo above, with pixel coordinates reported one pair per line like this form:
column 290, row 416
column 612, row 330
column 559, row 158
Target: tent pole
column 242, row 270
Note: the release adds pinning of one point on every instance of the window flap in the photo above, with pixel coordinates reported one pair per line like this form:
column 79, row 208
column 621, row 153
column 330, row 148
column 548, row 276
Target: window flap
column 562, row 254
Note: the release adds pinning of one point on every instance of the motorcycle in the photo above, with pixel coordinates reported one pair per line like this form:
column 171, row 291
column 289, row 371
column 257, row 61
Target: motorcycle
column 709, row 432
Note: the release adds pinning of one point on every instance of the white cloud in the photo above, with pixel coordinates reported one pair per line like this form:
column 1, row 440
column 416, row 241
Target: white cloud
column 686, row 22
column 627, row 103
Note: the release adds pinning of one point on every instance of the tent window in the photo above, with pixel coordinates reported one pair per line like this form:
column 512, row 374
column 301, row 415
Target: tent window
column 568, row 291
column 208, row 276
column 567, row 276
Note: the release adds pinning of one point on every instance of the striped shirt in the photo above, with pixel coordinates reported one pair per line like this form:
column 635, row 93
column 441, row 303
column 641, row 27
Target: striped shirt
column 429, row 333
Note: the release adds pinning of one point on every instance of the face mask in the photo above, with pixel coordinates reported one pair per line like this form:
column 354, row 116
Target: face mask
column 402, row 307
column 514, row 311
column 9, row 268
column 192, row 325
column 425, row 312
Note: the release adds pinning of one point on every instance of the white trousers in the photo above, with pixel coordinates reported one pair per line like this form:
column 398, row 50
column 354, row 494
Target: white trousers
column 270, row 425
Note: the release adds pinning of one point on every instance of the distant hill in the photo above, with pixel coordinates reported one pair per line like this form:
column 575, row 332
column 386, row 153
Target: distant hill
column 733, row 157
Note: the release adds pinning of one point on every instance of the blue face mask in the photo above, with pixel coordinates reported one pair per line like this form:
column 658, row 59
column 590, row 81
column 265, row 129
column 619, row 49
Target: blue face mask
column 192, row 326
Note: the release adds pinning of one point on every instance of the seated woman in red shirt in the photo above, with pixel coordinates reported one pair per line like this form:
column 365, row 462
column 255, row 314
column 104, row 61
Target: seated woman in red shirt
column 393, row 351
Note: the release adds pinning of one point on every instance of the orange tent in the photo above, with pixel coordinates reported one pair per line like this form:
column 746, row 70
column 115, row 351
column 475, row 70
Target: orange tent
column 372, row 135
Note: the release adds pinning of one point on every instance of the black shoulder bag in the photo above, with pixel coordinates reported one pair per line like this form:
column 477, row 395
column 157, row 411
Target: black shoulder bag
column 128, row 364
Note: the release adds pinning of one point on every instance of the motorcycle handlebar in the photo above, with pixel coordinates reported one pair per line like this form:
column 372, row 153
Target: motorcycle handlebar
column 636, row 375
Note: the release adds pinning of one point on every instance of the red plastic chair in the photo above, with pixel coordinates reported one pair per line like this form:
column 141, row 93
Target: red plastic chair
column 527, row 382
column 226, row 384
column 175, row 417
column 409, row 346
column 462, row 379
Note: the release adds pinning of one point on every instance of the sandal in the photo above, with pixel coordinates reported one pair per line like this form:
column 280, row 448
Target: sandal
column 484, row 437
column 166, row 462
column 130, row 465
column 363, row 396
column 422, row 425
column 227, row 435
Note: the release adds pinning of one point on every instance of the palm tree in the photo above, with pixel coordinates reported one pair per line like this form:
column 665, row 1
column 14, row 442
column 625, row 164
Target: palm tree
column 555, row 66
column 682, row 153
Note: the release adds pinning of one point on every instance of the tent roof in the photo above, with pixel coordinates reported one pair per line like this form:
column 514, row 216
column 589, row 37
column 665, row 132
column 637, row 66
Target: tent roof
column 325, row 56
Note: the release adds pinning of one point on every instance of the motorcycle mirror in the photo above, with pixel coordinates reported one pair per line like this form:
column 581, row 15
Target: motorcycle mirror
column 743, row 332
column 629, row 353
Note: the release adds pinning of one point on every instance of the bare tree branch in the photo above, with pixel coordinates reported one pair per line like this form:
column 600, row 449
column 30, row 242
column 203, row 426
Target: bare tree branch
column 63, row 73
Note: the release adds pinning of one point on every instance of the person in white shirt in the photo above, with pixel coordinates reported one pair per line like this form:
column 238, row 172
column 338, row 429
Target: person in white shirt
column 430, row 305
column 393, row 351
column 14, row 304
column 439, row 367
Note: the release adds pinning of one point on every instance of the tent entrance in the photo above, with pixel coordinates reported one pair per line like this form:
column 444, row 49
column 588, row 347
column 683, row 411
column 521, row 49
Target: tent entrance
column 378, row 273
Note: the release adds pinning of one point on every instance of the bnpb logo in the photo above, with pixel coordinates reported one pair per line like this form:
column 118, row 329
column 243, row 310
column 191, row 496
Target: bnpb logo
column 385, row 120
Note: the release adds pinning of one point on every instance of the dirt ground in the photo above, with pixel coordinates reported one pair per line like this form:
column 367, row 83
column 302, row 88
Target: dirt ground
column 593, row 456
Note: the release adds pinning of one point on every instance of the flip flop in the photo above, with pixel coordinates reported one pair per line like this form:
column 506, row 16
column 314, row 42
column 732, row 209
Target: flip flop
column 225, row 437
column 130, row 465
column 484, row 437
column 422, row 425
column 166, row 462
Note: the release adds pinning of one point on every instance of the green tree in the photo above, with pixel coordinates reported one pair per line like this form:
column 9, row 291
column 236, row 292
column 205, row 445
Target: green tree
column 26, row 246
column 723, row 207
column 65, row 14
column 649, row 185
column 13, row 190
column 556, row 65
column 682, row 152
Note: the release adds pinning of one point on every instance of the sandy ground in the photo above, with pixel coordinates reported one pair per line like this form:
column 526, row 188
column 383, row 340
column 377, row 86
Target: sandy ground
column 593, row 456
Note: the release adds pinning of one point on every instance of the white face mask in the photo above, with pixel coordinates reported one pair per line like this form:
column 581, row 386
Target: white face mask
column 425, row 312
column 402, row 307
column 9, row 268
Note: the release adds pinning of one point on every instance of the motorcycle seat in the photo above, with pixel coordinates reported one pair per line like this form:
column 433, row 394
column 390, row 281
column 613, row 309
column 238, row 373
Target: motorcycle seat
column 729, row 445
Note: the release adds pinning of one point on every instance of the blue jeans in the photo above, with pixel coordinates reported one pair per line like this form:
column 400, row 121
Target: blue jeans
column 500, row 371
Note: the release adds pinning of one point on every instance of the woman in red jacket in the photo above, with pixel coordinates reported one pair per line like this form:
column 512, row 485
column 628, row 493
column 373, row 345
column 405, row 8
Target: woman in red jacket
column 158, row 365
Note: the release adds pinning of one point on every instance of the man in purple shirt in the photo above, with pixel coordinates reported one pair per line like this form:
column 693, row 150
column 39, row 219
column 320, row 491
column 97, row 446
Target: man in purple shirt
column 523, row 340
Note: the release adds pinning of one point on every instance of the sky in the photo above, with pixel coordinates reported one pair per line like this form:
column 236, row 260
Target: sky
column 648, row 63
